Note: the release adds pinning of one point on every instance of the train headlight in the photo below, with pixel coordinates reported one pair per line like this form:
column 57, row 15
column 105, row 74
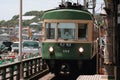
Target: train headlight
column 81, row 50
column 51, row 49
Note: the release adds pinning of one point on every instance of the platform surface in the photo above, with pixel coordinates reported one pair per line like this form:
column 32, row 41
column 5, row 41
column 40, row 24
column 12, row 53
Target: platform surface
column 95, row 77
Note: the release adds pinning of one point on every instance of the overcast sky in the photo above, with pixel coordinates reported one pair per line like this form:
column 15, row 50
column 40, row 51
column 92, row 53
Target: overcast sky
column 9, row 8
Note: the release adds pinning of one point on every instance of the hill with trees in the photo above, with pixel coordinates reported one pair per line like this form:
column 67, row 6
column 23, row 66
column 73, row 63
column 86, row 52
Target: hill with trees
column 15, row 19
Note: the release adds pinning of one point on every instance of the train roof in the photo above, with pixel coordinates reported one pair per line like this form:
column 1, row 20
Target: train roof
column 68, row 14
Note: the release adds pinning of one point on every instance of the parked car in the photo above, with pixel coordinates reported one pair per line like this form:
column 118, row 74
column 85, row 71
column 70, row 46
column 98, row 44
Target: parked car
column 15, row 47
column 8, row 45
column 31, row 46
column 3, row 49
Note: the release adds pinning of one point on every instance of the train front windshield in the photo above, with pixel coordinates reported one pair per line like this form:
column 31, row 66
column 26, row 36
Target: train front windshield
column 66, row 31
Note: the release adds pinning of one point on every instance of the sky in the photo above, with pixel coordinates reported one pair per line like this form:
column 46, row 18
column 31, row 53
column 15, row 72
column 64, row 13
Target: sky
column 9, row 8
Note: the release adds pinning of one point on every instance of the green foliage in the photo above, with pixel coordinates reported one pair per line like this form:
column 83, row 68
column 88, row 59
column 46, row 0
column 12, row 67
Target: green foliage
column 99, row 19
column 2, row 23
column 35, row 13
column 15, row 19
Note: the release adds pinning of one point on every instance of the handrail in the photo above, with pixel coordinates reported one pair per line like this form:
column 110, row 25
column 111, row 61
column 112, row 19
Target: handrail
column 31, row 67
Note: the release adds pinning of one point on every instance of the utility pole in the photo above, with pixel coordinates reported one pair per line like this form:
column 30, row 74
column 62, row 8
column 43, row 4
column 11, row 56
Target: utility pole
column 20, row 41
column 62, row 1
column 85, row 4
column 90, row 4
column 117, row 40
column 94, row 5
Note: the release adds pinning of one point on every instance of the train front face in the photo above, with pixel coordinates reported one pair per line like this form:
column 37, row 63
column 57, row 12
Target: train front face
column 66, row 51
column 67, row 36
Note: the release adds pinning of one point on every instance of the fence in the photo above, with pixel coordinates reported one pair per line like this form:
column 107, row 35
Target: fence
column 32, row 67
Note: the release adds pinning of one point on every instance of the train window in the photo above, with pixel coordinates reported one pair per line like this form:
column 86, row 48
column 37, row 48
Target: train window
column 50, row 30
column 66, row 31
column 82, row 31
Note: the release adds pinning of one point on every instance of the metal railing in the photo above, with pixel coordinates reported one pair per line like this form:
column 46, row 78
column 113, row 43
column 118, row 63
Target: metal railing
column 32, row 67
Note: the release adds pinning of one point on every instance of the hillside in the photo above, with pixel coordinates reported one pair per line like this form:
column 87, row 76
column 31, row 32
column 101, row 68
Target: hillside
column 15, row 19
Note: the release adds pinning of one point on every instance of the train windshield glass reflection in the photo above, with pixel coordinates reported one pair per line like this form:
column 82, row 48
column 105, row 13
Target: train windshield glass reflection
column 82, row 31
column 50, row 30
column 66, row 30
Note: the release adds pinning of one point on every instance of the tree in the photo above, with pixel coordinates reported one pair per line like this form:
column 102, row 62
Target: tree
column 2, row 23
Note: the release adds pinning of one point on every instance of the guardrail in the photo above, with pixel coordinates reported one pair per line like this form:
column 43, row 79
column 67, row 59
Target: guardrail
column 32, row 67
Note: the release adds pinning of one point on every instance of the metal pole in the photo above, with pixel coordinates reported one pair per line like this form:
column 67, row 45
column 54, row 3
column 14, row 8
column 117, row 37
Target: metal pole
column 117, row 24
column 20, row 41
column 85, row 4
column 94, row 5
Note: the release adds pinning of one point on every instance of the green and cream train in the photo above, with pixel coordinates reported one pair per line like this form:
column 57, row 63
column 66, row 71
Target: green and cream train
column 68, row 41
